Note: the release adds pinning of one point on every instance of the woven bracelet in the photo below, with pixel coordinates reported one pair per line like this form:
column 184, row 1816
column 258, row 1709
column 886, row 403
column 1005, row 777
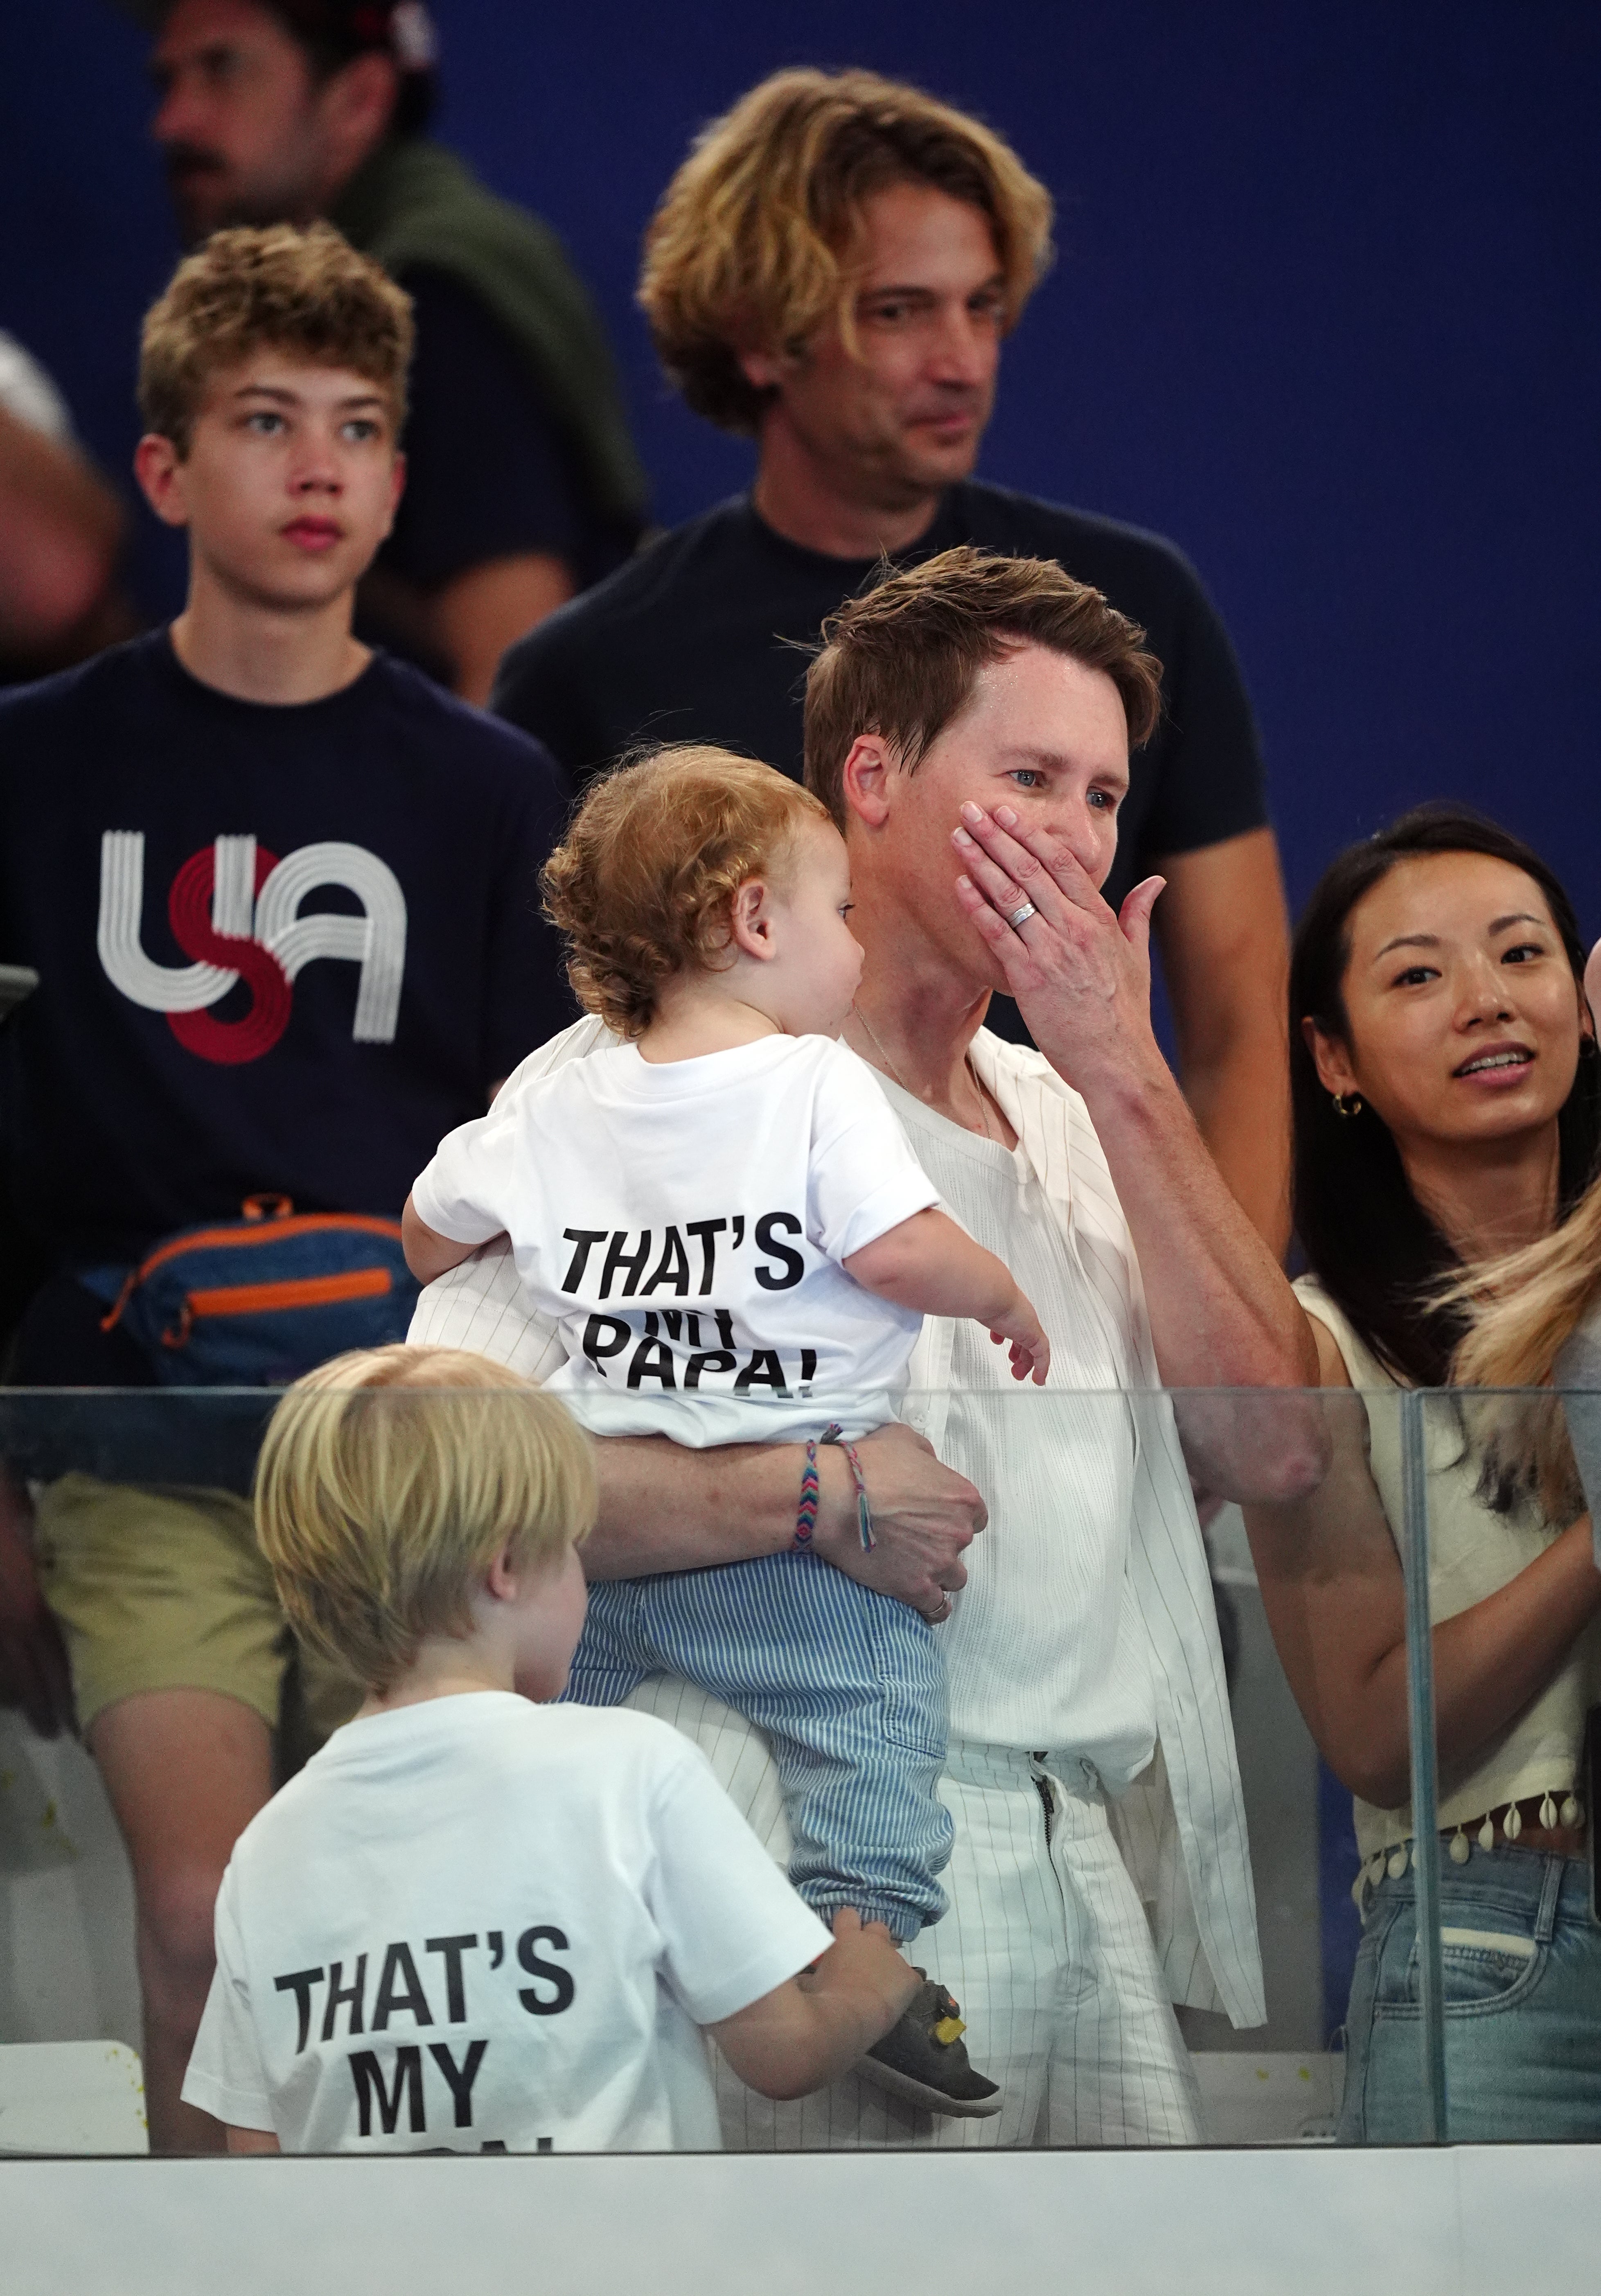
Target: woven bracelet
column 806, row 1513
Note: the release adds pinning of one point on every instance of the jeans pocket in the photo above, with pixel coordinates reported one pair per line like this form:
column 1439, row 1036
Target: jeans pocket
column 1484, row 1969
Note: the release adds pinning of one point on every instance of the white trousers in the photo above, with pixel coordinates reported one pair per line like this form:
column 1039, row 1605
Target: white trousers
column 1046, row 1947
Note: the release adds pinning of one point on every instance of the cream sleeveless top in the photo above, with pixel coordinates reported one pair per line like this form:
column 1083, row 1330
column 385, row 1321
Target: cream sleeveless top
column 1473, row 1551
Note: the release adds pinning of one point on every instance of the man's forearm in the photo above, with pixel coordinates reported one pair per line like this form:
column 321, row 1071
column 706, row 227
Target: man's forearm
column 1221, row 1312
column 1224, row 933
column 485, row 609
column 665, row 1507
column 1222, row 1316
column 1241, row 1099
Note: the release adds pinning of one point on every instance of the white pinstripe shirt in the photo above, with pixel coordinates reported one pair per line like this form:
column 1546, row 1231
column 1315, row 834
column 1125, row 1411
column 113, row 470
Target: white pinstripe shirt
column 1044, row 1647
column 1181, row 1824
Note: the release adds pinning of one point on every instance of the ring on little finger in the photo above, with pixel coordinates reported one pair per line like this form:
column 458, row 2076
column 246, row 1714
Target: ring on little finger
column 1019, row 916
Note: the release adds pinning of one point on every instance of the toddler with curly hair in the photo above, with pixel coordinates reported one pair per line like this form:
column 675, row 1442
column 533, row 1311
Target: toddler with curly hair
column 724, row 1216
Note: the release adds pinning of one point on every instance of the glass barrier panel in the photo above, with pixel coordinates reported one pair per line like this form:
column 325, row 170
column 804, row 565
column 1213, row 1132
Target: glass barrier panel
column 1144, row 1800
column 1508, row 1594
column 1307, row 1516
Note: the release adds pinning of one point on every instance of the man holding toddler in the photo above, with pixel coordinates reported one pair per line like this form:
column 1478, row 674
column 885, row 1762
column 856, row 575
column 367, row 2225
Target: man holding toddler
column 968, row 724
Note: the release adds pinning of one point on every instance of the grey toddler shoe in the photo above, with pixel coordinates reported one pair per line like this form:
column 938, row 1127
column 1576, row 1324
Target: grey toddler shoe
column 922, row 2058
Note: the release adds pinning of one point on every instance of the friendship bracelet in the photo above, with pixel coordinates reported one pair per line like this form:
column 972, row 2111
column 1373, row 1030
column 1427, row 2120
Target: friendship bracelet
column 806, row 1513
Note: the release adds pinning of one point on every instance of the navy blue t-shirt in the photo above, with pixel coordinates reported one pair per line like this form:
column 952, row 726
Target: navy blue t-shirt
column 489, row 474
column 704, row 638
column 280, row 950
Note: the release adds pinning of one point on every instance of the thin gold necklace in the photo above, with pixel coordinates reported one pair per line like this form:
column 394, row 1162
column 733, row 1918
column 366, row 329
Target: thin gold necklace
column 872, row 1038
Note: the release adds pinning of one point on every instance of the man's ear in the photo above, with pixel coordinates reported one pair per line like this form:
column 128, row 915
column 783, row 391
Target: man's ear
column 864, row 780
column 1330, row 1058
column 159, row 468
column 764, row 370
column 750, row 920
column 357, row 104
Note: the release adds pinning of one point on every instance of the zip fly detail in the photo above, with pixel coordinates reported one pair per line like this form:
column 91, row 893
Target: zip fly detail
column 1042, row 1787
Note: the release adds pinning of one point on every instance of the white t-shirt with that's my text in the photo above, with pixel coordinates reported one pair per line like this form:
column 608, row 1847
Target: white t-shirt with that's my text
column 684, row 1222
column 476, row 1924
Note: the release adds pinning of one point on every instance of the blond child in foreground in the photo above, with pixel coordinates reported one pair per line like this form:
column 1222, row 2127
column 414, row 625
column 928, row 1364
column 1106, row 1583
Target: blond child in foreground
column 476, row 1921
column 722, row 1216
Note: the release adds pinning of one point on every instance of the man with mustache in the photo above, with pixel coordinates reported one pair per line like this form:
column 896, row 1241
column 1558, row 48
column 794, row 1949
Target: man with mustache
column 831, row 272
column 524, row 484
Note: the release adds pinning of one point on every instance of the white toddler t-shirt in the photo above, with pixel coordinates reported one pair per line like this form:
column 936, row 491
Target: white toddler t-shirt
column 479, row 1924
column 684, row 1222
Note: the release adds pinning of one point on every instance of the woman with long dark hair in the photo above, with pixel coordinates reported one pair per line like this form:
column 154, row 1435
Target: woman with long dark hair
column 1447, row 1104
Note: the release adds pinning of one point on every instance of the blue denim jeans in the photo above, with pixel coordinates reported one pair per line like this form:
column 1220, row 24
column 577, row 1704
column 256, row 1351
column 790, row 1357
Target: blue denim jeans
column 1522, row 2005
column 847, row 1687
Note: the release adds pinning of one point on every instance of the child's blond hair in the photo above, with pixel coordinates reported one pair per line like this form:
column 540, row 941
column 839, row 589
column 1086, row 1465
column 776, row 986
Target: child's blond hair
column 307, row 292
column 389, row 1480
column 643, row 884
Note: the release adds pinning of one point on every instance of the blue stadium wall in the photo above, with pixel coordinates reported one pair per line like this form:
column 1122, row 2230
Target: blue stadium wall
column 1325, row 312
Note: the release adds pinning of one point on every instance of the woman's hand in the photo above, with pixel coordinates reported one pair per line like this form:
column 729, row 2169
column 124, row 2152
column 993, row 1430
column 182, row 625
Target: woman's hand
column 1080, row 974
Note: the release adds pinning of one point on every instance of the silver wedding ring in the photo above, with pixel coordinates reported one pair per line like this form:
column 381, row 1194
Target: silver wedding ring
column 1020, row 917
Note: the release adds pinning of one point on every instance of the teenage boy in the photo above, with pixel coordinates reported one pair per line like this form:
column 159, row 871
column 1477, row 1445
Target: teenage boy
column 525, row 484
column 282, row 894
column 831, row 272
column 473, row 1919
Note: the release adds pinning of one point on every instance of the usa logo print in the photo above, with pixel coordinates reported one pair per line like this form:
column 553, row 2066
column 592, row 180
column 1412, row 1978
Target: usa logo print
column 235, row 910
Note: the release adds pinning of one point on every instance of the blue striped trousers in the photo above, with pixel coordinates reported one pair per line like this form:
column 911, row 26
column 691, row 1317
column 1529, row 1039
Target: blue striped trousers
column 845, row 1685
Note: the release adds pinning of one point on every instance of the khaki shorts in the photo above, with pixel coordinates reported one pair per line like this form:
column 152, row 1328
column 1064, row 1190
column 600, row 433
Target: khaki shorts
column 165, row 1589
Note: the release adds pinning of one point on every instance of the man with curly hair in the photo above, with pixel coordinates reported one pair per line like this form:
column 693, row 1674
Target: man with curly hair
column 832, row 273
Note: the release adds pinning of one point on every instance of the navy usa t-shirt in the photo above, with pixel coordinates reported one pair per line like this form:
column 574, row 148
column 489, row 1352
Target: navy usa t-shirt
column 704, row 638
column 280, row 950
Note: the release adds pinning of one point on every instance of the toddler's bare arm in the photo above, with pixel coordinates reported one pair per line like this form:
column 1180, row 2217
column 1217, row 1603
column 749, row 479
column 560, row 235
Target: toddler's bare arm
column 809, row 2031
column 428, row 1253
column 931, row 1263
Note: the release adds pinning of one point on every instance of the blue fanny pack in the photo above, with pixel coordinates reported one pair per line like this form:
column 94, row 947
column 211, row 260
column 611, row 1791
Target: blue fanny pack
column 258, row 1302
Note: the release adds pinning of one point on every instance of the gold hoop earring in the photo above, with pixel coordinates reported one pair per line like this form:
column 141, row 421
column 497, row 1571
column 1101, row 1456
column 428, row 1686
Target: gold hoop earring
column 1347, row 1103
